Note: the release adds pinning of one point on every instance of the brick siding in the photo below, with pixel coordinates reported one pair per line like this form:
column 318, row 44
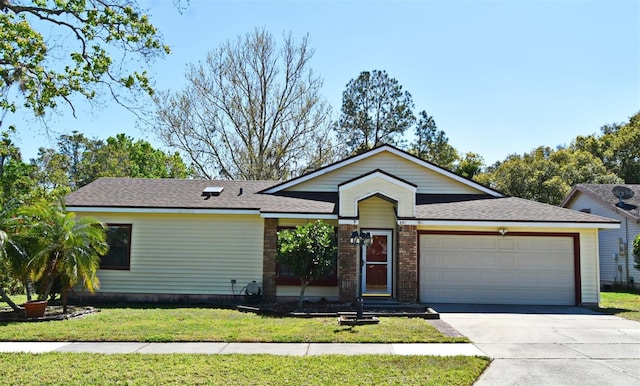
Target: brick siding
column 269, row 259
column 407, row 264
column 347, row 259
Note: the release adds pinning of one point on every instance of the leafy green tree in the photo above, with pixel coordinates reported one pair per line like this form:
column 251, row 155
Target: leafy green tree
column 252, row 110
column 80, row 161
column 470, row 165
column 546, row 175
column 71, row 149
column 310, row 252
column 51, row 51
column 432, row 144
column 618, row 147
column 375, row 111
column 7, row 275
column 121, row 156
column 58, row 247
column 17, row 179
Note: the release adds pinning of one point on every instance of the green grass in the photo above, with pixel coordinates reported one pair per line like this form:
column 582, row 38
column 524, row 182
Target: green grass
column 192, row 369
column 17, row 299
column 623, row 304
column 217, row 325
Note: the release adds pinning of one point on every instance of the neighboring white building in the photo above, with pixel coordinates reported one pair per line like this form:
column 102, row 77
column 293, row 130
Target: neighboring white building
column 616, row 245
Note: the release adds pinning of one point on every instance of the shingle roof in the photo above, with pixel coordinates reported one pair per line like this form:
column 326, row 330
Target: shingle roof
column 187, row 194
column 504, row 209
column 246, row 195
column 604, row 194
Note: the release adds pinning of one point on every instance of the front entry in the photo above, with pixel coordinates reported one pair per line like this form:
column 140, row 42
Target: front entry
column 376, row 276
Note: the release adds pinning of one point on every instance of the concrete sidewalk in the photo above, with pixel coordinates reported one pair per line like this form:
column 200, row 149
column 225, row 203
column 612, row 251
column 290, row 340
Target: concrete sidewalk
column 299, row 349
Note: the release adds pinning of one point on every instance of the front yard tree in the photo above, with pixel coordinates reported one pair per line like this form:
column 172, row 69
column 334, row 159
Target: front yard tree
column 59, row 247
column 309, row 251
column 52, row 51
column 6, row 266
column 375, row 111
column 251, row 111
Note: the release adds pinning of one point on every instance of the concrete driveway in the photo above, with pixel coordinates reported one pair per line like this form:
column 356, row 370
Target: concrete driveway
column 549, row 345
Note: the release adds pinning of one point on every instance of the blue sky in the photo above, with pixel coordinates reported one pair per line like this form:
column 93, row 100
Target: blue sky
column 499, row 77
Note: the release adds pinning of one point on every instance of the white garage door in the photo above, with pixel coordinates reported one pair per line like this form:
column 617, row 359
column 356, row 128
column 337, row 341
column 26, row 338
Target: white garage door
column 496, row 270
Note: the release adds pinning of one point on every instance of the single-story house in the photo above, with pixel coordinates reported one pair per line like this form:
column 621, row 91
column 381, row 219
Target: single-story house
column 616, row 245
column 437, row 237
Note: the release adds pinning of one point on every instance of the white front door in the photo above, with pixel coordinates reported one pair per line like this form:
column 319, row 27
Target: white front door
column 376, row 275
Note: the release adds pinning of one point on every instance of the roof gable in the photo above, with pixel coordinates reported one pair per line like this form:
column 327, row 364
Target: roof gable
column 428, row 177
column 379, row 184
column 603, row 193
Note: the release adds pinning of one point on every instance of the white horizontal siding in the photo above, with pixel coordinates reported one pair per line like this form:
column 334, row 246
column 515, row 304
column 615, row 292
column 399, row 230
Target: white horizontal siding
column 609, row 241
column 590, row 292
column 405, row 198
column 187, row 254
column 427, row 180
column 375, row 212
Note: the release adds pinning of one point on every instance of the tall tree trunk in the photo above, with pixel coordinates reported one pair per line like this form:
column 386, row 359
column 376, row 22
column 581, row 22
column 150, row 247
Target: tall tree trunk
column 303, row 286
column 49, row 278
column 8, row 300
column 63, row 295
column 29, row 287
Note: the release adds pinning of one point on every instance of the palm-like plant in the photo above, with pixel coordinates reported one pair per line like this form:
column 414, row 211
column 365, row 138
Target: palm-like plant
column 12, row 257
column 4, row 240
column 59, row 246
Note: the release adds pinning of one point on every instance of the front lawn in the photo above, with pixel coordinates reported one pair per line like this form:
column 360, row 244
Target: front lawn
column 217, row 325
column 623, row 304
column 192, row 369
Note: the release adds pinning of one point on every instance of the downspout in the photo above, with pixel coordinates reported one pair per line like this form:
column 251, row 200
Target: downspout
column 626, row 241
column 628, row 250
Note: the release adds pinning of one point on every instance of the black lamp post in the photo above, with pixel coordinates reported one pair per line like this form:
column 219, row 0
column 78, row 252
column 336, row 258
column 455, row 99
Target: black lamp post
column 360, row 239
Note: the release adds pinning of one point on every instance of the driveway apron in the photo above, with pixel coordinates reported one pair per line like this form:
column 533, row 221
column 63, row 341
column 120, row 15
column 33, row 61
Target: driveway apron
column 549, row 345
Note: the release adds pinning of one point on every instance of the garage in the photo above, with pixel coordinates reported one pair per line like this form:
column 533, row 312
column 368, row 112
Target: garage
column 493, row 269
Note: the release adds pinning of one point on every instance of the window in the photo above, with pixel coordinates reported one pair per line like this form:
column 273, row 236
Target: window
column 284, row 276
column 119, row 240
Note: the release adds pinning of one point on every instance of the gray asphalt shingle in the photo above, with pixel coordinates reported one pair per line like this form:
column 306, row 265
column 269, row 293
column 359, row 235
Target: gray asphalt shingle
column 604, row 193
column 245, row 195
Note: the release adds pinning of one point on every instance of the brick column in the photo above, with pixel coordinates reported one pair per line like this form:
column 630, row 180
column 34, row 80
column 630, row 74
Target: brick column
column 347, row 267
column 407, row 264
column 269, row 259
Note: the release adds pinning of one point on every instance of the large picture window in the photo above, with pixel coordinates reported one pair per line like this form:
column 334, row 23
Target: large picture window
column 119, row 240
column 284, row 276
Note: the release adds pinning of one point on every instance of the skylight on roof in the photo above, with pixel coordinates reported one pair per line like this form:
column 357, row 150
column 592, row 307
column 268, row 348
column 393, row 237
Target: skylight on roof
column 210, row 191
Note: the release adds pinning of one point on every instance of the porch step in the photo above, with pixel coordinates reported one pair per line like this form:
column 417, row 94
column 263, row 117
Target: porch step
column 390, row 306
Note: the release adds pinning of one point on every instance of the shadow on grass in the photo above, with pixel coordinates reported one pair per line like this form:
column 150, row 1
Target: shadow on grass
column 349, row 329
column 612, row 310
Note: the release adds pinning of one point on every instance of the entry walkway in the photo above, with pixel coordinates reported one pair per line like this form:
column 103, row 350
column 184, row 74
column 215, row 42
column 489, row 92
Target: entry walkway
column 299, row 349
